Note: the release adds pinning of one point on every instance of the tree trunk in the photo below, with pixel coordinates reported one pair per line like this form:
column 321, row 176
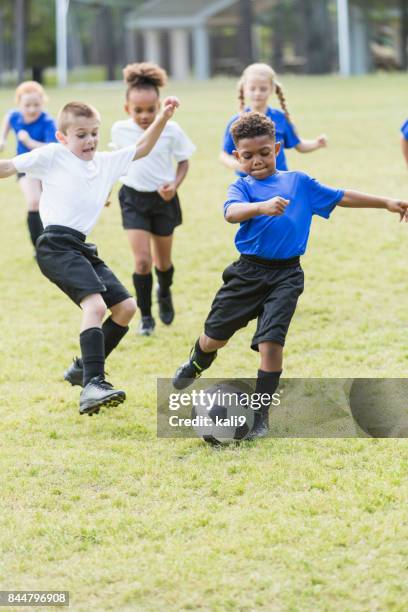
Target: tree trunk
column 19, row 24
column 318, row 42
column 109, row 42
column 245, row 43
column 404, row 34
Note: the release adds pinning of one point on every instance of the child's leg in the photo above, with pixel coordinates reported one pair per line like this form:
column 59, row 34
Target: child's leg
column 142, row 278
column 116, row 326
column 92, row 338
column 202, row 355
column 162, row 246
column 267, row 382
column 164, row 272
column 31, row 189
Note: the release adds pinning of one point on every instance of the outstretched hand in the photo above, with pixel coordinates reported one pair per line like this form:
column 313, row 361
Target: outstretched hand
column 400, row 207
column 322, row 141
column 169, row 106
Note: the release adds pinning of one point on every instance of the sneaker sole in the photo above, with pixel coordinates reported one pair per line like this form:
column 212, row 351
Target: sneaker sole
column 109, row 402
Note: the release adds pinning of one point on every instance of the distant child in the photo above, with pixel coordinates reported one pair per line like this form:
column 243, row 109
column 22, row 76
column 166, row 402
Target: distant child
column 76, row 181
column 274, row 210
column 258, row 82
column 404, row 140
column 33, row 128
column 148, row 198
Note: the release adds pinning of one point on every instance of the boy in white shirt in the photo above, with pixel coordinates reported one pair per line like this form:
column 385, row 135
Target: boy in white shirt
column 76, row 181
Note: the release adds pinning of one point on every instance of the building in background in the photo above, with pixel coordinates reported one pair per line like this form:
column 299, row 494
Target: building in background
column 198, row 38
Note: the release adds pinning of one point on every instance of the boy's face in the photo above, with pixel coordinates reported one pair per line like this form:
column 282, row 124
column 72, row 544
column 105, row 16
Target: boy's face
column 81, row 137
column 257, row 156
column 143, row 105
column 31, row 106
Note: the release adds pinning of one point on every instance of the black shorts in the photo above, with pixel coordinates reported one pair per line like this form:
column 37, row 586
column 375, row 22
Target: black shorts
column 267, row 290
column 148, row 211
column 74, row 266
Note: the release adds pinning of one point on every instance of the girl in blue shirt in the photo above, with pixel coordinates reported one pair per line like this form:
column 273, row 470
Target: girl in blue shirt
column 274, row 210
column 33, row 128
column 257, row 84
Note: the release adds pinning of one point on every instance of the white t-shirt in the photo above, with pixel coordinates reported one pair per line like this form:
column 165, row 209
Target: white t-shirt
column 157, row 168
column 74, row 191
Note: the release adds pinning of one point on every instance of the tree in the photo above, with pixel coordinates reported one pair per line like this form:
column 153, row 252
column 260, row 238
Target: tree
column 318, row 41
column 246, row 54
column 41, row 39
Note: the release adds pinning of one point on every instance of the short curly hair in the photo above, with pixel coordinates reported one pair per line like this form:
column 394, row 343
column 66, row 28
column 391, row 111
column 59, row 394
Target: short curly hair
column 250, row 125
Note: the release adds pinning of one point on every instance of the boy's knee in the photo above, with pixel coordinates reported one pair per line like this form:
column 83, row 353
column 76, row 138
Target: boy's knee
column 100, row 309
column 128, row 308
column 208, row 345
column 143, row 266
column 96, row 307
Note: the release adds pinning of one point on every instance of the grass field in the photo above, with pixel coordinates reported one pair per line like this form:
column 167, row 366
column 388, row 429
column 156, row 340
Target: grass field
column 126, row 521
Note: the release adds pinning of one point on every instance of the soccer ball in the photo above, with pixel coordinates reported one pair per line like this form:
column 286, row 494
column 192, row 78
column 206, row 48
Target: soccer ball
column 223, row 414
column 380, row 406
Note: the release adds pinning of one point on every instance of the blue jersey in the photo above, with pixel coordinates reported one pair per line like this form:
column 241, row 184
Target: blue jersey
column 42, row 129
column 285, row 236
column 404, row 130
column 285, row 134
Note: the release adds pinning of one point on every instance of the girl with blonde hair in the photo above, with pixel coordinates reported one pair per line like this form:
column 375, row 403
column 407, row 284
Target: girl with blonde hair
column 256, row 85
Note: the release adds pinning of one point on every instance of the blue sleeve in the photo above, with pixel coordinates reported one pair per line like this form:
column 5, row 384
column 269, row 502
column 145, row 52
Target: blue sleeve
column 49, row 131
column 228, row 144
column 291, row 139
column 236, row 193
column 322, row 199
column 404, row 130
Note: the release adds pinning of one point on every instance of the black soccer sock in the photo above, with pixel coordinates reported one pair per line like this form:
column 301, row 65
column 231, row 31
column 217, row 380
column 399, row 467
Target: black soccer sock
column 93, row 353
column 35, row 226
column 201, row 359
column 143, row 286
column 113, row 334
column 165, row 280
column 267, row 382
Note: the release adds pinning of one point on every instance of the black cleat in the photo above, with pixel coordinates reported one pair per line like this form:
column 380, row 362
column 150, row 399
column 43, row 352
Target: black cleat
column 75, row 373
column 186, row 374
column 98, row 393
column 166, row 308
column 146, row 326
column 260, row 428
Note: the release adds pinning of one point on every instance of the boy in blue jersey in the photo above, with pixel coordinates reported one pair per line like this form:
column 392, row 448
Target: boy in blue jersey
column 274, row 210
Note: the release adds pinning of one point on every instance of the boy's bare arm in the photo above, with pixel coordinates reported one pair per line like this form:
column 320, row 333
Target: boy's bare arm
column 146, row 143
column 7, row 168
column 357, row 199
column 236, row 213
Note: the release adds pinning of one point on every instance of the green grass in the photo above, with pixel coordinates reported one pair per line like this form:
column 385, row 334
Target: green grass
column 124, row 521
